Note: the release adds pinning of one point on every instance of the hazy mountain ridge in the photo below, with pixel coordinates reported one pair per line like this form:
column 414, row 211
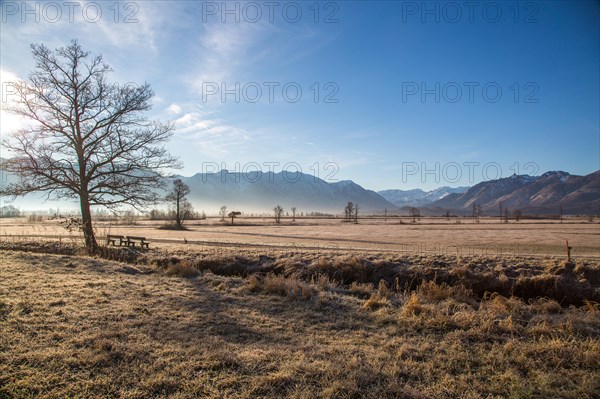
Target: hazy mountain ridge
column 261, row 191
column 418, row 197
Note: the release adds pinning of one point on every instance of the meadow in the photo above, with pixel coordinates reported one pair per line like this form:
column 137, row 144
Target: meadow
column 305, row 309
column 435, row 236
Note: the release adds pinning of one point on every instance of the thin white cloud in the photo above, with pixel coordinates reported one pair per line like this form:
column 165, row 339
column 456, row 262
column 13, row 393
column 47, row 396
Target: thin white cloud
column 109, row 28
column 174, row 109
column 211, row 136
column 226, row 50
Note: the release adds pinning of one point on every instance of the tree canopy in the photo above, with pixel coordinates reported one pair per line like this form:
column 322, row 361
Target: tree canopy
column 89, row 139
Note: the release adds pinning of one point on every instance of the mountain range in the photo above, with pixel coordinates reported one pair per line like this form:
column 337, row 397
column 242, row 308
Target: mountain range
column 260, row 191
column 418, row 197
column 534, row 195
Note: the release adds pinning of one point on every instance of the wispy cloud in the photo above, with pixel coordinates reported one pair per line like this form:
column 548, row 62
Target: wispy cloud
column 174, row 109
column 212, row 136
column 225, row 49
column 109, row 28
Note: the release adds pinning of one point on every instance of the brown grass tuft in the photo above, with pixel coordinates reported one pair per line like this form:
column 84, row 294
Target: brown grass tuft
column 290, row 286
column 376, row 301
column 412, row 306
column 182, row 269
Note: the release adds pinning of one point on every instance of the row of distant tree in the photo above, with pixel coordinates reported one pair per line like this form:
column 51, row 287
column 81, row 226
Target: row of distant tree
column 9, row 211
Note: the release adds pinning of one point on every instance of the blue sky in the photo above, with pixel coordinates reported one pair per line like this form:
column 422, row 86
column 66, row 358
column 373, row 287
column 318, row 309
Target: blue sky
column 395, row 94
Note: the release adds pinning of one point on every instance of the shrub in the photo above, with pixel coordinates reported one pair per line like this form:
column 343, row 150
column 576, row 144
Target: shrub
column 361, row 290
column 376, row 301
column 182, row 269
column 291, row 286
column 412, row 306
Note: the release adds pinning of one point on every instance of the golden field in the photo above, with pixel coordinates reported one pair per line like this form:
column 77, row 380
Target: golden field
column 272, row 312
column 435, row 236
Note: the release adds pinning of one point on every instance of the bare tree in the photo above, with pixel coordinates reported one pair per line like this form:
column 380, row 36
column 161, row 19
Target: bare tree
column 278, row 212
column 233, row 214
column 517, row 215
column 183, row 209
column 89, row 140
column 415, row 213
column 561, row 212
column 293, row 213
column 223, row 212
column 348, row 211
column 476, row 212
column 356, row 213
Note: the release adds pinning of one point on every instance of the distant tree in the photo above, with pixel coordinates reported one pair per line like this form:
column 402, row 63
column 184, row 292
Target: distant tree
column 415, row 213
column 9, row 211
column 278, row 212
column 447, row 215
column 356, row 213
column 561, row 212
column 128, row 218
column 182, row 208
column 517, row 215
column 157, row 214
column 501, row 211
column 349, row 211
column 233, row 214
column 293, row 213
column 506, row 215
column 89, row 139
column 223, row 212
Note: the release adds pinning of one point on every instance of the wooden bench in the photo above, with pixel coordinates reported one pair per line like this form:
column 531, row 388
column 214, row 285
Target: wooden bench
column 110, row 238
column 131, row 241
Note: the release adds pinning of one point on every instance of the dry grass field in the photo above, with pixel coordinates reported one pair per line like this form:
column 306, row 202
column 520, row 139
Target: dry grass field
column 435, row 236
column 272, row 312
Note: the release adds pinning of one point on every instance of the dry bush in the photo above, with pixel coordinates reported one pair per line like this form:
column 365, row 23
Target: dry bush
column 290, row 286
column 383, row 290
column 433, row 292
column 527, row 278
column 546, row 305
column 324, row 282
column 253, row 283
column 182, row 269
column 376, row 301
column 412, row 306
column 361, row 290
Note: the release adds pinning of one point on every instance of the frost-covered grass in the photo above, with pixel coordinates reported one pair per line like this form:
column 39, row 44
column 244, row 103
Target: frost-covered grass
column 168, row 327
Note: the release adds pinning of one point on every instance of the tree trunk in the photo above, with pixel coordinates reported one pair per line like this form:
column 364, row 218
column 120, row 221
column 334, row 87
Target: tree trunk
column 88, row 230
column 177, row 215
